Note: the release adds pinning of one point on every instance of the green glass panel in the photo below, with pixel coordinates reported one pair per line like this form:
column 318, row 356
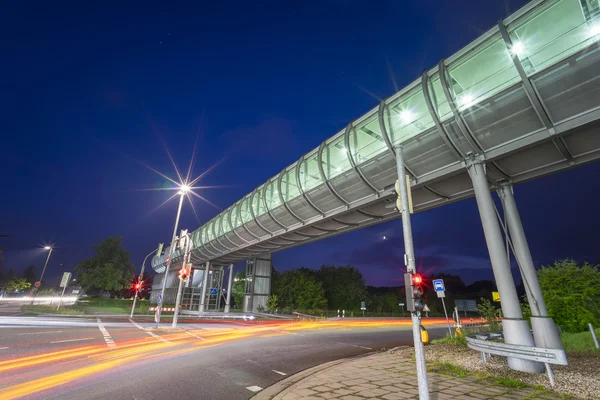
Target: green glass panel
column 482, row 72
column 235, row 217
column 366, row 140
column 409, row 116
column 260, row 204
column 438, row 98
column 210, row 230
column 245, row 211
column 552, row 32
column 219, row 228
column 272, row 195
column 289, row 187
column 310, row 176
column 335, row 158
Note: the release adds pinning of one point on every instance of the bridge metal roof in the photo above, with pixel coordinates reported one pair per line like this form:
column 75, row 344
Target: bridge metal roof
column 524, row 96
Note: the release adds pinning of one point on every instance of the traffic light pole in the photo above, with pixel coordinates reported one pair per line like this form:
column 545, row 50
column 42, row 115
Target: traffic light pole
column 411, row 268
column 186, row 256
column 140, row 280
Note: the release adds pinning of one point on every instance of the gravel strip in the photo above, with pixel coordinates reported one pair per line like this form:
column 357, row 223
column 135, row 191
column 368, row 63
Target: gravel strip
column 581, row 378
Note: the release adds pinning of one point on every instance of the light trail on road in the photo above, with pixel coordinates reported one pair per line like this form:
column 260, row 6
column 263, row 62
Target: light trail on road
column 21, row 376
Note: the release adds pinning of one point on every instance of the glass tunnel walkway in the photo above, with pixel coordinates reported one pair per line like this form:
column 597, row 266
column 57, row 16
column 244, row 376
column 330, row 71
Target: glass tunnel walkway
column 524, row 97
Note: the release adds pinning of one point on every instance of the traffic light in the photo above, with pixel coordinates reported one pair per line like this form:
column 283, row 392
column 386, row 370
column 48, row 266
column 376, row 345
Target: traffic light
column 138, row 286
column 414, row 292
column 184, row 273
column 408, row 192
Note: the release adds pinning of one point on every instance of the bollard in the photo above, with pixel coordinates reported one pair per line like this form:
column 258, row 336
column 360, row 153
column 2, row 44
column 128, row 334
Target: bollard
column 594, row 336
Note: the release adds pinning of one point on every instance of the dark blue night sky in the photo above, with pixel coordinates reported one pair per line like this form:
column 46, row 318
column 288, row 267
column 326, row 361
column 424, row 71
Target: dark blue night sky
column 88, row 86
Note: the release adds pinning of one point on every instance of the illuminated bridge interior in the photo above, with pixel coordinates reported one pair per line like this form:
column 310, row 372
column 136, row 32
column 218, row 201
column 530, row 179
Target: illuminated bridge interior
column 524, row 97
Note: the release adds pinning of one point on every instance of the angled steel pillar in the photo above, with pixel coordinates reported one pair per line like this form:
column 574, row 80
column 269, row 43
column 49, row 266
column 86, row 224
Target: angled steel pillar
column 544, row 330
column 515, row 328
column 203, row 304
column 229, row 286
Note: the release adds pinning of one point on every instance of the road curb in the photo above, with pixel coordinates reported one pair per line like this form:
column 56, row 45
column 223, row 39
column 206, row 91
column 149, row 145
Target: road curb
column 279, row 387
column 165, row 329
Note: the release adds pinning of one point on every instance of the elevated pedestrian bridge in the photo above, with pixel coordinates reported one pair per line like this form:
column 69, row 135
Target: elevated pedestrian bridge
column 524, row 98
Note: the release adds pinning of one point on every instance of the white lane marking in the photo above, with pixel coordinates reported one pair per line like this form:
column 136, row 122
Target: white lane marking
column 2, row 348
column 35, row 333
column 279, row 372
column 254, row 388
column 154, row 335
column 367, row 348
column 196, row 336
column 72, row 340
column 136, row 324
column 107, row 338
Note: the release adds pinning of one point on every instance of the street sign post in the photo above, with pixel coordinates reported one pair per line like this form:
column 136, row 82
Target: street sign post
column 63, row 284
column 363, row 307
column 440, row 290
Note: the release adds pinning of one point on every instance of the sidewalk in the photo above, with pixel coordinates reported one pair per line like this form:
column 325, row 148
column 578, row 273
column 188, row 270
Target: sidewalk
column 387, row 376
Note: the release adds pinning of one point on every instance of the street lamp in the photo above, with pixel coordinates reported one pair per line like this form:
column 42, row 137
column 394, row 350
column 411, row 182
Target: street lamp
column 183, row 190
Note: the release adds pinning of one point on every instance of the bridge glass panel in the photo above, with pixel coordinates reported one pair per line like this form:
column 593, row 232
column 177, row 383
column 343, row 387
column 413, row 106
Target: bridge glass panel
column 335, row 158
column 220, row 224
column 438, row 98
column 205, row 233
column 366, row 141
column 235, row 216
column 482, row 72
column 310, row 176
column 272, row 195
column 554, row 31
column 289, row 187
column 409, row 116
column 245, row 210
column 258, row 205
column 210, row 234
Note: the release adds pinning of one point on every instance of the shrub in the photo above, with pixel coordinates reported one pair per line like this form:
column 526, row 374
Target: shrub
column 490, row 313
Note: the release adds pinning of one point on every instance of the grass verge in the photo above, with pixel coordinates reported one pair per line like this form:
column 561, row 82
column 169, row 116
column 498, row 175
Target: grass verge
column 581, row 342
column 40, row 309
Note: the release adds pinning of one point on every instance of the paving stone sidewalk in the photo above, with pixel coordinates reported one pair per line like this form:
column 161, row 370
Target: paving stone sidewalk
column 387, row 376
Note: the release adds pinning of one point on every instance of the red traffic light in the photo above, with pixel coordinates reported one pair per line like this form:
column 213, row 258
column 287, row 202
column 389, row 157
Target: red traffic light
column 417, row 279
column 138, row 286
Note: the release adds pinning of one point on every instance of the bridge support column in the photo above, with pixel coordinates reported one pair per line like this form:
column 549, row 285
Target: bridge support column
column 229, row 285
column 203, row 304
column 514, row 327
column 258, row 282
column 544, row 330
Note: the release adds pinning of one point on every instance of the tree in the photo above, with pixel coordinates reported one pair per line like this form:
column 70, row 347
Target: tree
column 272, row 302
column 300, row 289
column 344, row 286
column 571, row 293
column 238, row 289
column 30, row 275
column 489, row 312
column 108, row 270
column 17, row 284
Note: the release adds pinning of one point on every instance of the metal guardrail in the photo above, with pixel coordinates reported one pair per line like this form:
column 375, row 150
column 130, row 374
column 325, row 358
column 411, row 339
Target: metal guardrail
column 541, row 354
column 486, row 344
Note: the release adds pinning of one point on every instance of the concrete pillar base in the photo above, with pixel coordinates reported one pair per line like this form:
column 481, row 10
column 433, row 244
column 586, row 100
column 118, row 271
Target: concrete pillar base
column 545, row 333
column 227, row 308
column 516, row 331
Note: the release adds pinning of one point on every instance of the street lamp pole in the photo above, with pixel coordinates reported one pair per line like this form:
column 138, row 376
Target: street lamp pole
column 46, row 264
column 139, row 280
column 164, row 283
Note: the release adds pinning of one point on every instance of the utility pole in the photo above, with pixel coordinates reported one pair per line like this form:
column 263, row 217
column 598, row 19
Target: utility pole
column 185, row 262
column 409, row 257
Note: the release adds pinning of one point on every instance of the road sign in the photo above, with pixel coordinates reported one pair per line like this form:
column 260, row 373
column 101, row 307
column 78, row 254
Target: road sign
column 438, row 285
column 159, row 299
column 441, row 294
column 363, row 306
column 65, row 279
column 426, row 308
column 496, row 296
column 214, row 291
column 37, row 284
column 466, row 305
column 401, row 304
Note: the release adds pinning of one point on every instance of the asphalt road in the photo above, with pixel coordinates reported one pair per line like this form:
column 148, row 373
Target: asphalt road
column 110, row 358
